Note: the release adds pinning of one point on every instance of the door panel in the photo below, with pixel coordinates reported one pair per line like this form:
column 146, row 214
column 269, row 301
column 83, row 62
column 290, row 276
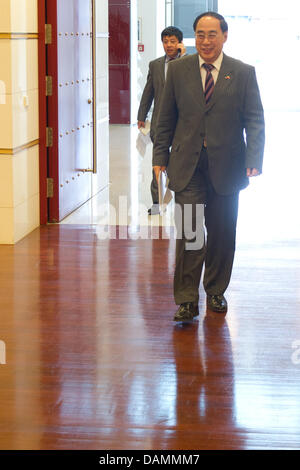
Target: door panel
column 42, row 114
column 72, row 151
column 119, row 62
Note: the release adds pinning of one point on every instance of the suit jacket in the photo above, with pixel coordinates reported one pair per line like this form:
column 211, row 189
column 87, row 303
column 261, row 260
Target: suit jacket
column 234, row 110
column 153, row 91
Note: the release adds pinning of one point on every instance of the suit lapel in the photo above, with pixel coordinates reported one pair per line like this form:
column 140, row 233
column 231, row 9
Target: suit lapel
column 225, row 80
column 161, row 67
column 195, row 81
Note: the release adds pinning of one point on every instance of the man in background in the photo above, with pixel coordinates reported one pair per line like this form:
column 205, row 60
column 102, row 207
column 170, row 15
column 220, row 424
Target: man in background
column 172, row 43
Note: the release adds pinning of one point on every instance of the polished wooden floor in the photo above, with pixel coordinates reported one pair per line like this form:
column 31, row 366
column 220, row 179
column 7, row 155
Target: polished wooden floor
column 94, row 360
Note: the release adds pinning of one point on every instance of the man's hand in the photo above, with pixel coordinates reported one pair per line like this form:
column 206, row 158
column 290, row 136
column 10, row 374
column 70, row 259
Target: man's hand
column 252, row 172
column 141, row 124
column 157, row 169
column 182, row 48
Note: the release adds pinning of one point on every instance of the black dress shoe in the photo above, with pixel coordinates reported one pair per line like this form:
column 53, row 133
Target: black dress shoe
column 186, row 312
column 154, row 210
column 217, row 303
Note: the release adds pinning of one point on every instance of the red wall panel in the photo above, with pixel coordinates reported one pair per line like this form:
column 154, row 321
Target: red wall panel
column 119, row 61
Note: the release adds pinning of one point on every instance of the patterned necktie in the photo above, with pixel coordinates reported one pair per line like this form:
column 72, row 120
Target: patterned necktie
column 209, row 82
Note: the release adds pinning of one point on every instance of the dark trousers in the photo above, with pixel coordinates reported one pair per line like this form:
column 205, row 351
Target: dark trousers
column 154, row 189
column 217, row 254
column 154, row 185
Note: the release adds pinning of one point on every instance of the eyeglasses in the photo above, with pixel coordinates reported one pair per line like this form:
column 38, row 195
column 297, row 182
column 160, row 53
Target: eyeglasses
column 202, row 36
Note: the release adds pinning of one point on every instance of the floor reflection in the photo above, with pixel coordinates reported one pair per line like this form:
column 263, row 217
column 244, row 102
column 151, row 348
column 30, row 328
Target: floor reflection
column 205, row 398
column 99, row 363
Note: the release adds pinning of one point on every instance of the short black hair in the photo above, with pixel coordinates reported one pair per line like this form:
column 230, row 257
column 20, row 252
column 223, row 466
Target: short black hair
column 172, row 31
column 223, row 23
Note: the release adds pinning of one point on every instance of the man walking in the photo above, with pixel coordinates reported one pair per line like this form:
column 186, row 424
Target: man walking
column 172, row 43
column 212, row 117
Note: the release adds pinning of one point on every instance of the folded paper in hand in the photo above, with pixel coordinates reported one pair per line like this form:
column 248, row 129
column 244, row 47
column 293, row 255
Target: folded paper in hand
column 164, row 193
column 141, row 143
column 143, row 139
column 145, row 130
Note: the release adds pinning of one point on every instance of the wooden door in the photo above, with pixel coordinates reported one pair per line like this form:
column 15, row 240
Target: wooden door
column 70, row 106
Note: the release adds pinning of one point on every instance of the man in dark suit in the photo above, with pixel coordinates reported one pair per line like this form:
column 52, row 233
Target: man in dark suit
column 172, row 43
column 211, row 116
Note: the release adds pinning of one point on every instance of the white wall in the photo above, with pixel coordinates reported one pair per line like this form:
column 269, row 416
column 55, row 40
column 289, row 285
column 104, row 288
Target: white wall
column 101, row 179
column 19, row 121
column 151, row 14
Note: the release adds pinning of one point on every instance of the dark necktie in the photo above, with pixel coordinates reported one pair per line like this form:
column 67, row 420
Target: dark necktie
column 209, row 82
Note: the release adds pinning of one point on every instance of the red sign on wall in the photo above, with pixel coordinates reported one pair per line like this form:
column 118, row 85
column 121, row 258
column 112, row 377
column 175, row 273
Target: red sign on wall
column 141, row 48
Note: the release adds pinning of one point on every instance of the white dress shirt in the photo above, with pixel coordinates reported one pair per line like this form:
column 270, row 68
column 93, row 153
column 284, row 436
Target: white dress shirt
column 215, row 72
column 168, row 59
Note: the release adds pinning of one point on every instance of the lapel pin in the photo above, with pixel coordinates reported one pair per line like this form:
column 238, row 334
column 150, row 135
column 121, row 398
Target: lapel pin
column 227, row 77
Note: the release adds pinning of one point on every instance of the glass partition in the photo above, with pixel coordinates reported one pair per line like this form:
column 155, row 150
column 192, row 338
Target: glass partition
column 184, row 13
